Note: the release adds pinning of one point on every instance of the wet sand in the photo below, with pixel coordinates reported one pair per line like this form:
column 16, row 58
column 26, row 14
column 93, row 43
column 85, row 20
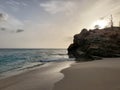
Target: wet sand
column 38, row 79
column 95, row 75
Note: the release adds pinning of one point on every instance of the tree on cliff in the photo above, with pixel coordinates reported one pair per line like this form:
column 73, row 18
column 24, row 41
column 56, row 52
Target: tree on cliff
column 97, row 27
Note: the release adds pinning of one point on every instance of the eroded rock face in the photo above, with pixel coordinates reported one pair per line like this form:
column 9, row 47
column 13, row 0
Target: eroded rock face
column 96, row 43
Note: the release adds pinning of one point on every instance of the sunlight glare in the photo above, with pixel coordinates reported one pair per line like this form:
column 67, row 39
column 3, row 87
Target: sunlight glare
column 101, row 23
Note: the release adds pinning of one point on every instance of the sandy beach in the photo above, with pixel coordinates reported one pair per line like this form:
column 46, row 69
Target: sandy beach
column 94, row 75
column 42, row 78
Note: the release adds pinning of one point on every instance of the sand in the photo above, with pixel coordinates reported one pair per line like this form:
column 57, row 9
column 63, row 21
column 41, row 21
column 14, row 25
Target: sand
column 95, row 75
column 42, row 78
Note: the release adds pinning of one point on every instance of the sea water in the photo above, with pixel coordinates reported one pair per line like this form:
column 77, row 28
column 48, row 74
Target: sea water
column 19, row 59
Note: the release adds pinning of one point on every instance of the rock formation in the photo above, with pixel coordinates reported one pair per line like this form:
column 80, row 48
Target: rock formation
column 95, row 44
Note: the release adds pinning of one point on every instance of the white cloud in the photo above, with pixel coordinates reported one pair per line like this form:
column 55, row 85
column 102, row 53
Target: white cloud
column 10, row 23
column 54, row 7
column 24, row 4
column 12, row 2
column 14, row 5
column 3, row 17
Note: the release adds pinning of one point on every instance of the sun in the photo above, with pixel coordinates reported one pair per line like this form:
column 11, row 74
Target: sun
column 100, row 23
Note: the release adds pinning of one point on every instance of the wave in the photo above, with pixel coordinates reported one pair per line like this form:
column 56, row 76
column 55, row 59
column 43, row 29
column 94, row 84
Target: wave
column 20, row 60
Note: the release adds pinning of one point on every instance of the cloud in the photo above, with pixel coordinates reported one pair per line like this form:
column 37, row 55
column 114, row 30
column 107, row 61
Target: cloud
column 3, row 29
column 54, row 7
column 9, row 23
column 3, row 16
column 19, row 30
column 24, row 4
column 12, row 2
column 11, row 31
column 15, row 5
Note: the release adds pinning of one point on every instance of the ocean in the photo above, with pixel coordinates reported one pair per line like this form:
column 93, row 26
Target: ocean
column 17, row 60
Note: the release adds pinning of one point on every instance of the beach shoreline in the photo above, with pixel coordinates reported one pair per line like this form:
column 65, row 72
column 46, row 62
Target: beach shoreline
column 41, row 78
column 68, row 75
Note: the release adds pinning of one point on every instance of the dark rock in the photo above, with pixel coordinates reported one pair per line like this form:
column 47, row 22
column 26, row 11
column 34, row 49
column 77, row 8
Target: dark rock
column 95, row 44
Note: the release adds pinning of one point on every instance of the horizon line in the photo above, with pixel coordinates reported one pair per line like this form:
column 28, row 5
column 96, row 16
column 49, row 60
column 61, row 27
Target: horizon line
column 33, row 48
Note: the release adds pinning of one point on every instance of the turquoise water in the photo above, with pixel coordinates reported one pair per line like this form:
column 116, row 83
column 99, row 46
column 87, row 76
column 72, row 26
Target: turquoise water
column 19, row 59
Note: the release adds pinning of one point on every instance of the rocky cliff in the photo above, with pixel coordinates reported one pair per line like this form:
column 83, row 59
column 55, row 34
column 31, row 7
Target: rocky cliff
column 95, row 44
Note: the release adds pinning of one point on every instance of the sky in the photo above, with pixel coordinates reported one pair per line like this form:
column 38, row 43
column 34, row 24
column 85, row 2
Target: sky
column 50, row 23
